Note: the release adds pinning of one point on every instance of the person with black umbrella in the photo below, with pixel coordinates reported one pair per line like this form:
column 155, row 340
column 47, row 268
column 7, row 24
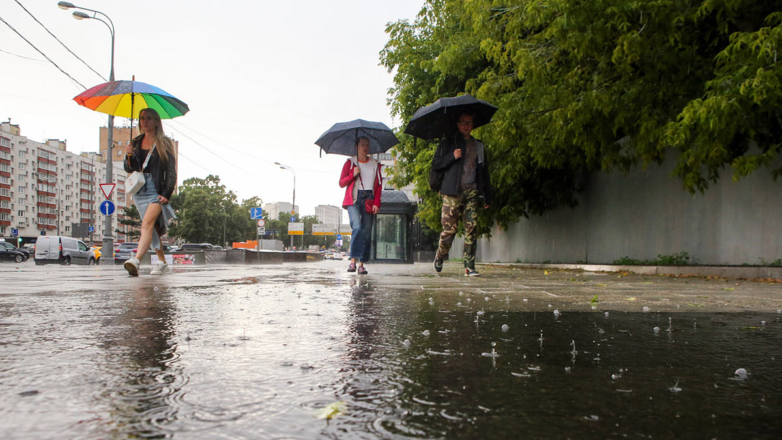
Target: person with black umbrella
column 363, row 185
column 466, row 186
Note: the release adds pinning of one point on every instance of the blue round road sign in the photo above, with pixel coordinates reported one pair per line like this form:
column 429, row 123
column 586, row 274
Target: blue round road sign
column 339, row 236
column 107, row 207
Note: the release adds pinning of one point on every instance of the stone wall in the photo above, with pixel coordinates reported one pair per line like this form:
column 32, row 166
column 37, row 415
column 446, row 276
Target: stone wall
column 645, row 214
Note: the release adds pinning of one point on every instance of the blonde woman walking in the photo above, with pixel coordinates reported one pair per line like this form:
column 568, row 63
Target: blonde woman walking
column 159, row 171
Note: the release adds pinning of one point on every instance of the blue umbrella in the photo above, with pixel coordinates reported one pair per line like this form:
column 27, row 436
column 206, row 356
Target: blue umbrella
column 341, row 137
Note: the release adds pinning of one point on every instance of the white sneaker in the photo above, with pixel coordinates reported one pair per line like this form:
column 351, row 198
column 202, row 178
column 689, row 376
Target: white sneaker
column 160, row 268
column 132, row 267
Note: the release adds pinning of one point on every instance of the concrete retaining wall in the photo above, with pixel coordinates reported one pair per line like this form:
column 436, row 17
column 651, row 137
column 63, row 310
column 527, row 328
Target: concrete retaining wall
column 262, row 257
column 301, row 257
column 646, row 214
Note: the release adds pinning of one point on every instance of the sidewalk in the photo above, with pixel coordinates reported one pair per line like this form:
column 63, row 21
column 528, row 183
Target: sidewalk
column 741, row 272
column 507, row 287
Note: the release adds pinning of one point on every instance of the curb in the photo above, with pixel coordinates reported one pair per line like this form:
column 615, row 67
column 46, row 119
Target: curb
column 747, row 272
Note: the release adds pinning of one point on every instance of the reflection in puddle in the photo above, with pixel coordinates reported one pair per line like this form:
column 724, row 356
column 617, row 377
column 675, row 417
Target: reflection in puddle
column 327, row 358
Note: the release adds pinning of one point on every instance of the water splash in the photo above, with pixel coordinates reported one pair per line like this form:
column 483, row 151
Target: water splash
column 741, row 374
column 493, row 353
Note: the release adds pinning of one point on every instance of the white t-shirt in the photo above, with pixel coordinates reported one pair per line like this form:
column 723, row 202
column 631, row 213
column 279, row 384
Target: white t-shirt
column 368, row 174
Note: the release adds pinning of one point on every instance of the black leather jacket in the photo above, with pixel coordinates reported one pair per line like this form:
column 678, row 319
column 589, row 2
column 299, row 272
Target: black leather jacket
column 444, row 160
column 164, row 174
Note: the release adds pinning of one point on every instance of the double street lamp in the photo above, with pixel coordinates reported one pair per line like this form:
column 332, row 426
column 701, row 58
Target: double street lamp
column 293, row 207
column 108, row 234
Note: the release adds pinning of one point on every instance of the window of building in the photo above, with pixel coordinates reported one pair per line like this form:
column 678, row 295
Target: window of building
column 20, row 213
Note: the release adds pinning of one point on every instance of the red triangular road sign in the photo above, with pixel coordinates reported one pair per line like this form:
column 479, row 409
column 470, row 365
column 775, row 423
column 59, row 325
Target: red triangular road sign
column 107, row 187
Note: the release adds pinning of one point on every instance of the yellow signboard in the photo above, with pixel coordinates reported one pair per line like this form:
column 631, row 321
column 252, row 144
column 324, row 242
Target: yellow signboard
column 322, row 229
column 295, row 228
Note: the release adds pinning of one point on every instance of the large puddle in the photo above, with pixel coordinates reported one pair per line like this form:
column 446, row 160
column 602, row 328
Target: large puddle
column 277, row 358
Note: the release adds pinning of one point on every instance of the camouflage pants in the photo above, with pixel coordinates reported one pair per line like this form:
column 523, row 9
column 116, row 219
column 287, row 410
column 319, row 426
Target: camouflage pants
column 465, row 206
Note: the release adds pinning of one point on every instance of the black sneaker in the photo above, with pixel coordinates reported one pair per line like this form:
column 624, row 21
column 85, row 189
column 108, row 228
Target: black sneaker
column 438, row 264
column 471, row 273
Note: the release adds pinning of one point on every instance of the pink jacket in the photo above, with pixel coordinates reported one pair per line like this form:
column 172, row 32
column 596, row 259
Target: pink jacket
column 347, row 179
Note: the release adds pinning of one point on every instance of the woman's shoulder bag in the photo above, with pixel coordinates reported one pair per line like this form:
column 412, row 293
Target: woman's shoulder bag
column 136, row 180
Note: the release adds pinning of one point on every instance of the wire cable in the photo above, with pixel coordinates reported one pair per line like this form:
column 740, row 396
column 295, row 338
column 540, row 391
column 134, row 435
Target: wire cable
column 321, row 171
column 44, row 55
column 58, row 40
column 210, row 151
column 20, row 56
column 193, row 162
column 222, row 144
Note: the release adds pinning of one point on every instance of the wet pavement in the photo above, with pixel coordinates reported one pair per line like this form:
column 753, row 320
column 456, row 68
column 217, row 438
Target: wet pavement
column 310, row 351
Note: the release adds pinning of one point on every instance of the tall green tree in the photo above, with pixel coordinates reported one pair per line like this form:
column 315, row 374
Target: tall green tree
column 133, row 220
column 209, row 213
column 604, row 85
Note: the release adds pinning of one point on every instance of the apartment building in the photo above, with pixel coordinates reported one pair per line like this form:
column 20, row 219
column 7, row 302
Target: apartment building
column 329, row 214
column 44, row 188
column 274, row 209
column 389, row 161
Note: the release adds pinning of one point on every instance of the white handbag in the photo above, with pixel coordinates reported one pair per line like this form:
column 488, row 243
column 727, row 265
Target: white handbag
column 136, row 180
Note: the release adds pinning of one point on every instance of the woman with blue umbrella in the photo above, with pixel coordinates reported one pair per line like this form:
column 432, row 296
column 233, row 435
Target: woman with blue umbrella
column 361, row 177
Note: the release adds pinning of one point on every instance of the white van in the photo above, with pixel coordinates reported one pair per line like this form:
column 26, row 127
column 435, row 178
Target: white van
column 62, row 250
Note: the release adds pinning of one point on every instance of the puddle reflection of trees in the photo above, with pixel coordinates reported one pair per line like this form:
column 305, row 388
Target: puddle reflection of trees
column 588, row 367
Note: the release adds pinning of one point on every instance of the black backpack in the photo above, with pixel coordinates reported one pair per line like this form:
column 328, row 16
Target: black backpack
column 436, row 179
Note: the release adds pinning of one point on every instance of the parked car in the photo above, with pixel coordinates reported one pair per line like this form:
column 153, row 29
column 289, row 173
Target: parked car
column 96, row 250
column 10, row 247
column 62, row 250
column 196, row 247
column 11, row 255
column 124, row 251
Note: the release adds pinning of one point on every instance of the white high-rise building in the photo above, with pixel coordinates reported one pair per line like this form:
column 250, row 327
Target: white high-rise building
column 274, row 209
column 44, row 188
column 389, row 161
column 329, row 214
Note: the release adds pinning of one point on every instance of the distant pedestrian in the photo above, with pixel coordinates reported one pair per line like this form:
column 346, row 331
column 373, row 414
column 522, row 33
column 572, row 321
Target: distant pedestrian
column 361, row 175
column 466, row 186
column 152, row 200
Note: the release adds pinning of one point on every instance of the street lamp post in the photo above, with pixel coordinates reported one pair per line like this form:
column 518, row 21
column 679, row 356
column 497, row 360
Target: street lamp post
column 108, row 235
column 293, row 207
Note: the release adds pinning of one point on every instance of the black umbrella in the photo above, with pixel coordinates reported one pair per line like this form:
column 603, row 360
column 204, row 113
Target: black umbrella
column 439, row 119
column 341, row 137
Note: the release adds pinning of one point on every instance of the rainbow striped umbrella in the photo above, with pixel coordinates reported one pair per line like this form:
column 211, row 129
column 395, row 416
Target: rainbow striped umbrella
column 127, row 98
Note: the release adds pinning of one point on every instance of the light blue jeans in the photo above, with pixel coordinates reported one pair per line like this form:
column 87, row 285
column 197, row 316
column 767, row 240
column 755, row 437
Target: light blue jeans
column 361, row 224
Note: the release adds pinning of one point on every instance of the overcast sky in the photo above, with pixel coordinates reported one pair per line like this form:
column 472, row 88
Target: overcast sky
column 263, row 80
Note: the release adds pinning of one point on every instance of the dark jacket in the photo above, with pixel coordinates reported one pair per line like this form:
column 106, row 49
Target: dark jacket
column 164, row 174
column 444, row 160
